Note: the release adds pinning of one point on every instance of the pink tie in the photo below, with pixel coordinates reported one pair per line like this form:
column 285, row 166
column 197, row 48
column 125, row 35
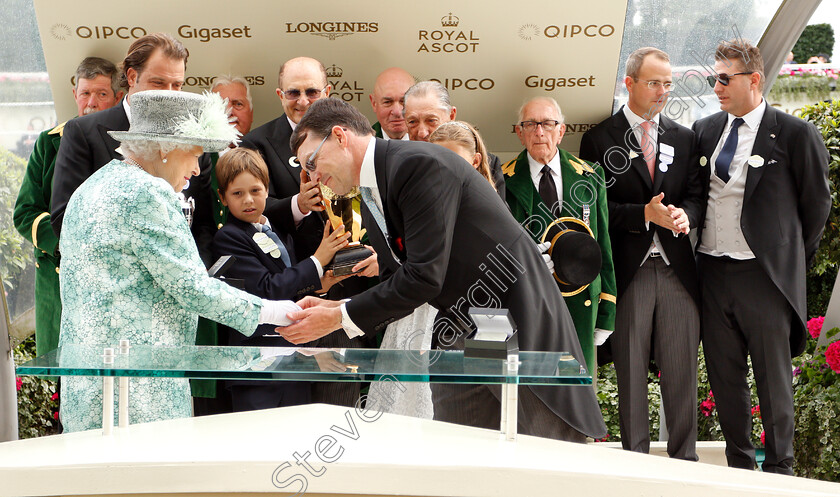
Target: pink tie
column 648, row 146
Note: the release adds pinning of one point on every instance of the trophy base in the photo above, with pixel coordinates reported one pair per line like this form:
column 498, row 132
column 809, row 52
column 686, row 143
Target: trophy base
column 344, row 260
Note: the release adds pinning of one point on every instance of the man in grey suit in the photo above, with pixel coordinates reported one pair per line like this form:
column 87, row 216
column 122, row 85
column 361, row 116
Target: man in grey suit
column 655, row 196
column 766, row 175
column 425, row 208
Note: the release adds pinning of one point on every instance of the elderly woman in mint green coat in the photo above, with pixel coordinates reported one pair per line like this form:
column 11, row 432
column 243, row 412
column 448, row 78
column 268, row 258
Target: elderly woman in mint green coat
column 130, row 267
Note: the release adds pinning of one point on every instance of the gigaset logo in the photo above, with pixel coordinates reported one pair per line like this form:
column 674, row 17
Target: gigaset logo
column 332, row 29
column 448, row 39
column 204, row 35
column 343, row 88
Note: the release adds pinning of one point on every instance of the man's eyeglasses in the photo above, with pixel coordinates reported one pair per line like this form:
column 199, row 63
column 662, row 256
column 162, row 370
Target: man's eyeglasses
column 656, row 85
column 532, row 125
column 310, row 162
column 311, row 93
column 723, row 78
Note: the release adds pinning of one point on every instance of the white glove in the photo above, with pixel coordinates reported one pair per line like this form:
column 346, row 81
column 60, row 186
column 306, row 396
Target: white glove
column 274, row 312
column 601, row 336
column 543, row 248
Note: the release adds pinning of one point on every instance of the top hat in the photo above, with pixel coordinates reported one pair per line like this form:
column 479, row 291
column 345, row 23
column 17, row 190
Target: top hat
column 179, row 117
column 575, row 252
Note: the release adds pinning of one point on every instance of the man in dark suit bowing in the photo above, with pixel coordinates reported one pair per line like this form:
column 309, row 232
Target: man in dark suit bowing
column 766, row 174
column 654, row 197
column 443, row 225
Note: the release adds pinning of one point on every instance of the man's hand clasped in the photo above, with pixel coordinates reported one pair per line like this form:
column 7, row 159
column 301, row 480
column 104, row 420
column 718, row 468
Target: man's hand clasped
column 667, row 216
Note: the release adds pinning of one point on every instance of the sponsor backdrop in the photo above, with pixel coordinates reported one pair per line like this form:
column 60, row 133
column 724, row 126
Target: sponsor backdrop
column 491, row 55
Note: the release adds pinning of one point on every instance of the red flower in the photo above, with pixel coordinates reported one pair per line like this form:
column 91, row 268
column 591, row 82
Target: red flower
column 55, row 415
column 18, row 384
column 756, row 410
column 707, row 407
column 815, row 326
column 832, row 356
column 762, row 438
column 400, row 244
column 54, row 396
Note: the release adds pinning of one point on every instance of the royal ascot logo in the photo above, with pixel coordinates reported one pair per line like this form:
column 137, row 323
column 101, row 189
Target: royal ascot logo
column 60, row 31
column 346, row 89
column 205, row 35
column 332, row 29
column 449, row 39
column 531, row 31
column 207, row 81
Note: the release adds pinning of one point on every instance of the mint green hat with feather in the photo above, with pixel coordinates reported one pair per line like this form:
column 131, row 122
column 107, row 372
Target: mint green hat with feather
column 179, row 117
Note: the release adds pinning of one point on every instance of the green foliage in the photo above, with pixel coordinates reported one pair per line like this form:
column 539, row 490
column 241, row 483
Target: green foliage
column 15, row 252
column 36, row 406
column 815, row 39
column 826, row 116
column 816, row 402
column 793, row 87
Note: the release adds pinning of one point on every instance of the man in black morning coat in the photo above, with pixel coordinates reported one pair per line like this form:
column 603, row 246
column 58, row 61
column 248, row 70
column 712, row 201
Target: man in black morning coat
column 766, row 175
column 446, row 229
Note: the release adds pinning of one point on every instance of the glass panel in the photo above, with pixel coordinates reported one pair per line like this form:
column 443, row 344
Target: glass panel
column 689, row 31
column 282, row 363
column 26, row 109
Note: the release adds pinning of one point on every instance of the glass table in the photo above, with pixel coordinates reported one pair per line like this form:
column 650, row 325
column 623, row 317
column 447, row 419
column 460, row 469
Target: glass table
column 124, row 361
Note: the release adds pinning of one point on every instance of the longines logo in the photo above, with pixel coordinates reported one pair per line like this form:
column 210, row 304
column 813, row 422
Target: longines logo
column 346, row 89
column 571, row 128
column 60, row 31
column 467, row 84
column 531, row 31
column 207, row 81
column 448, row 39
column 332, row 29
column 204, row 35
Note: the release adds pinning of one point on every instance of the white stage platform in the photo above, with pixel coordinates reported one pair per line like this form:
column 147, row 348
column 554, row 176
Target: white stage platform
column 254, row 454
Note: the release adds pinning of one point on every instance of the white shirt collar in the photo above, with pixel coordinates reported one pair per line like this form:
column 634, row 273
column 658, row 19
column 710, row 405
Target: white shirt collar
column 367, row 174
column 260, row 225
column 751, row 118
column 385, row 136
column 635, row 119
column 291, row 123
column 127, row 109
column 536, row 167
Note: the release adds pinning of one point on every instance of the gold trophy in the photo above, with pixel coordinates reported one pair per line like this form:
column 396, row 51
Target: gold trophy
column 339, row 209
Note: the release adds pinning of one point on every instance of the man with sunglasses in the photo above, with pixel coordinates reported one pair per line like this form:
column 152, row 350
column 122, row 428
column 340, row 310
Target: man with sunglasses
column 300, row 82
column 443, row 225
column 544, row 183
column 655, row 196
column 766, row 176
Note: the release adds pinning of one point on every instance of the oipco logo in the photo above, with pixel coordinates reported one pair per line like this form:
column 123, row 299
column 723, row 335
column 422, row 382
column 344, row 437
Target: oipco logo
column 567, row 31
column 204, row 35
column 466, row 83
column 105, row 32
column 60, row 31
column 448, row 38
column 207, row 81
column 332, row 29
column 553, row 83
column 344, row 88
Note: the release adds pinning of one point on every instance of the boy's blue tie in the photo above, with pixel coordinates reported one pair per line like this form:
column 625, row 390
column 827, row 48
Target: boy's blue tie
column 284, row 252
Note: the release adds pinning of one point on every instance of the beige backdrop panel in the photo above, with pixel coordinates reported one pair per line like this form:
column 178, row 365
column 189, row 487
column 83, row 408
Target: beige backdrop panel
column 491, row 55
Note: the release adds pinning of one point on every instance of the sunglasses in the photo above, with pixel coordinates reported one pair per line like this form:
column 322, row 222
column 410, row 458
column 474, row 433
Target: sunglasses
column 311, row 93
column 723, row 78
column 310, row 162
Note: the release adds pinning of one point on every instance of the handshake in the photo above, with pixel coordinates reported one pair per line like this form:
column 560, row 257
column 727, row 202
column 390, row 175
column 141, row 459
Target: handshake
column 276, row 312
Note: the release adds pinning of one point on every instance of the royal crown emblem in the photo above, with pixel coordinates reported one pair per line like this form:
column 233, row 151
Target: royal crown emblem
column 334, row 71
column 449, row 21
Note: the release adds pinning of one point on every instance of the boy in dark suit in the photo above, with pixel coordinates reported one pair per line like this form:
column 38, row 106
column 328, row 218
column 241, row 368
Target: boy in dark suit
column 265, row 260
